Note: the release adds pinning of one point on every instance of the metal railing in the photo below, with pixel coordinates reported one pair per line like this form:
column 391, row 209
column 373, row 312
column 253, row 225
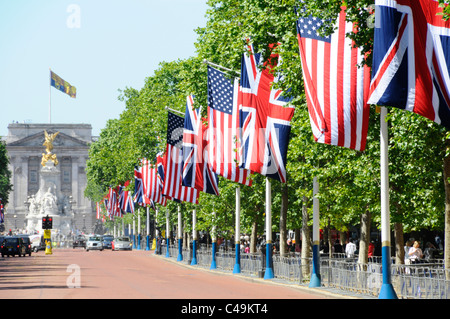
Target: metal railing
column 418, row 281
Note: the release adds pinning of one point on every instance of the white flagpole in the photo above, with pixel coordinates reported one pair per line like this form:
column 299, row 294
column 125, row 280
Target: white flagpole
column 268, row 274
column 180, row 235
column 237, row 264
column 315, row 275
column 194, row 238
column 387, row 290
column 50, row 99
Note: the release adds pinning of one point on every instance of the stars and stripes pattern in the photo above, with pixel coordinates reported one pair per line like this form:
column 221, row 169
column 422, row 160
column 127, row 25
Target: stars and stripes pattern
column 152, row 184
column 265, row 117
column 172, row 162
column 196, row 171
column 336, row 88
column 223, row 128
column 411, row 58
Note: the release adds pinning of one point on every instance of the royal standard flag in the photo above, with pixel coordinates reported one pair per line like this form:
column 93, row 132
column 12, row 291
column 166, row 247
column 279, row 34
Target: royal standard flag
column 62, row 85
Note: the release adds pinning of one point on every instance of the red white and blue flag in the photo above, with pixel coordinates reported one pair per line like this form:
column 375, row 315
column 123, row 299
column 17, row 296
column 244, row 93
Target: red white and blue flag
column 196, row 171
column 336, row 88
column 113, row 203
column 223, row 128
column 152, row 184
column 265, row 116
column 173, row 163
column 126, row 203
column 138, row 186
column 411, row 58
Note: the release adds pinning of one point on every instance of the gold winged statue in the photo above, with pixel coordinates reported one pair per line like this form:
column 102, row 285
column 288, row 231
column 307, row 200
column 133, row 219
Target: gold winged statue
column 48, row 143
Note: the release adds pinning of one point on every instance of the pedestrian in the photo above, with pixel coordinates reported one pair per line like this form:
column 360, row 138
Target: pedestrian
column 350, row 249
column 371, row 249
column 338, row 247
column 415, row 253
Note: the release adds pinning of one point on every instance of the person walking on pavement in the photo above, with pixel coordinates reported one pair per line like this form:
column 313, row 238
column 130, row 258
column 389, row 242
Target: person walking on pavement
column 350, row 249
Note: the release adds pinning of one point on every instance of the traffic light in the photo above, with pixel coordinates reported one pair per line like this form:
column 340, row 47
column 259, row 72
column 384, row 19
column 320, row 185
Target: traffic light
column 47, row 222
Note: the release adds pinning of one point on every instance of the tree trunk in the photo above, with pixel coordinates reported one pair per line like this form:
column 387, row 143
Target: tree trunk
column 253, row 237
column 364, row 238
column 283, row 216
column 447, row 211
column 399, row 244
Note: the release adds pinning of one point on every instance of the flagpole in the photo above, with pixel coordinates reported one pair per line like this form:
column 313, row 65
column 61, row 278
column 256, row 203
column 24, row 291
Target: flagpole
column 214, row 242
column 387, row 290
column 169, row 109
column 50, row 99
column 268, row 274
column 180, row 236
column 237, row 264
column 139, row 232
column 315, row 274
column 220, row 67
column 167, row 233
column 194, row 238
column 148, row 229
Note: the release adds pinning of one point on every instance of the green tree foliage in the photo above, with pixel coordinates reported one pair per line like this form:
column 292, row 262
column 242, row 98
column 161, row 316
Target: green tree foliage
column 5, row 175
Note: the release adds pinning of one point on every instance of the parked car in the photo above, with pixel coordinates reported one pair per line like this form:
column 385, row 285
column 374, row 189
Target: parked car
column 107, row 241
column 27, row 242
column 79, row 241
column 94, row 243
column 12, row 246
column 122, row 243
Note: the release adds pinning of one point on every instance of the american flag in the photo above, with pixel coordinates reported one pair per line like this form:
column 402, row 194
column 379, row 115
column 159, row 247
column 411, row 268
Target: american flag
column 196, row 171
column 411, row 58
column 264, row 119
column 173, row 163
column 336, row 88
column 99, row 211
column 152, row 184
column 223, row 128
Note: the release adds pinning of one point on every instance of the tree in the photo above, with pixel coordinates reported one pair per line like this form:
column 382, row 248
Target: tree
column 5, row 175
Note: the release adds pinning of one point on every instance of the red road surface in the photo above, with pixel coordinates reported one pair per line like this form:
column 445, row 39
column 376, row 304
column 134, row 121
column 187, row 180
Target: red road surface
column 130, row 275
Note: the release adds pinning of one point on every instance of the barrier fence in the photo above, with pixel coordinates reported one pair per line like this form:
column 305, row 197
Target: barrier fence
column 417, row 281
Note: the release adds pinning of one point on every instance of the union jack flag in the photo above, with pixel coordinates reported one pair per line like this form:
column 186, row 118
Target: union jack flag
column 336, row 88
column 223, row 128
column 2, row 213
column 196, row 171
column 125, row 199
column 411, row 58
column 138, row 188
column 264, row 119
column 113, row 203
column 173, row 163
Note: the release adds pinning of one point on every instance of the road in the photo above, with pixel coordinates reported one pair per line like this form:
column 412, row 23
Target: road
column 77, row 274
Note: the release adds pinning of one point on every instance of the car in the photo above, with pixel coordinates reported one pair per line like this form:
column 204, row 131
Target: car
column 94, row 243
column 13, row 245
column 122, row 243
column 26, row 242
column 37, row 242
column 79, row 241
column 107, row 241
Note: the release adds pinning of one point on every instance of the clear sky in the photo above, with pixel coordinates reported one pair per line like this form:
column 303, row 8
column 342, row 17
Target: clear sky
column 98, row 46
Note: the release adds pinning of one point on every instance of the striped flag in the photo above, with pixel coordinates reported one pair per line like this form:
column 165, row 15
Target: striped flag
column 223, row 130
column 336, row 88
column 196, row 171
column 152, row 184
column 125, row 199
column 138, row 188
column 173, row 163
column 411, row 58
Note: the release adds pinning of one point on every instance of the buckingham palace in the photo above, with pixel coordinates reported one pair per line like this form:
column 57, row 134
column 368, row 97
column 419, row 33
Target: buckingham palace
column 49, row 183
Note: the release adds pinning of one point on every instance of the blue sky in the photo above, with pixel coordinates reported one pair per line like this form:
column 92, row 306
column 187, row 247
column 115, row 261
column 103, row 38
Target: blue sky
column 98, row 46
